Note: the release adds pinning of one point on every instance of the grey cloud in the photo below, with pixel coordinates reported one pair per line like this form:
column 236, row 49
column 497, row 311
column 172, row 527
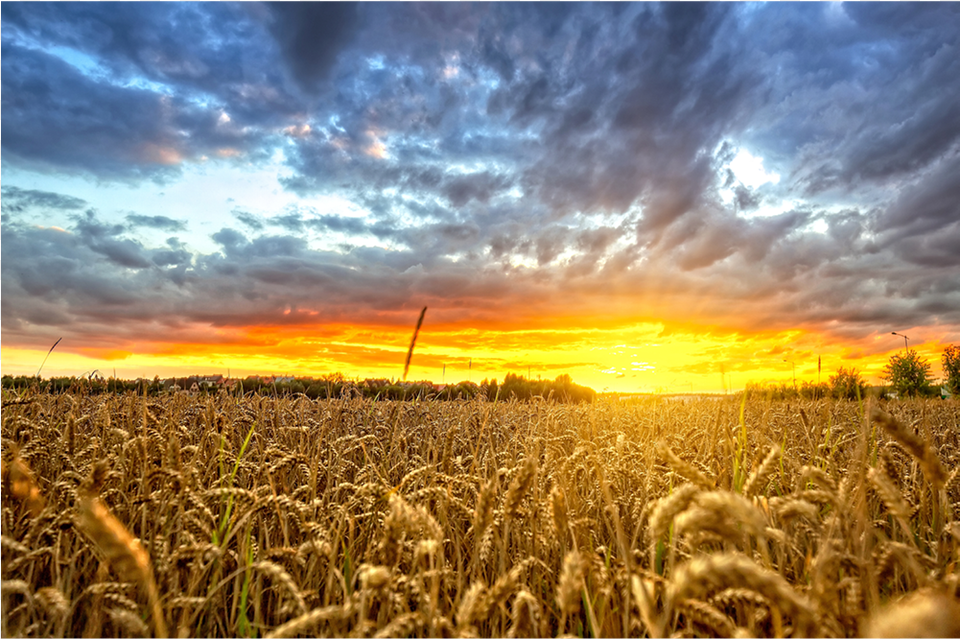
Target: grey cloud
column 861, row 100
column 56, row 117
column 216, row 49
column 17, row 200
column 476, row 186
column 229, row 238
column 746, row 199
column 927, row 206
column 291, row 222
column 248, row 219
column 105, row 239
column 501, row 127
column 159, row 222
column 311, row 35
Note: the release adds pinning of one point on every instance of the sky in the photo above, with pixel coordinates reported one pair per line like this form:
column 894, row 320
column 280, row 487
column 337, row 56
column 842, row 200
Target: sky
column 648, row 197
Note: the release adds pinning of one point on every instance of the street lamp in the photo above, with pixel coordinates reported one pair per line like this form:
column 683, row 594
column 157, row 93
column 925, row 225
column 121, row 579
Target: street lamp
column 905, row 347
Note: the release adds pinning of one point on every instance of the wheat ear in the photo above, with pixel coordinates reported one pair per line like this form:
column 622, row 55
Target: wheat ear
column 122, row 550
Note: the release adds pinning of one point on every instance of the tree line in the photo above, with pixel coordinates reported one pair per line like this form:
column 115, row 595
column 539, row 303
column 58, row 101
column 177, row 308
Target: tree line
column 907, row 375
column 335, row 386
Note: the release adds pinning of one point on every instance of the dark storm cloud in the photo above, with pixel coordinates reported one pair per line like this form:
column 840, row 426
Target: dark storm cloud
column 864, row 93
column 931, row 204
column 500, row 153
column 310, row 35
column 216, row 49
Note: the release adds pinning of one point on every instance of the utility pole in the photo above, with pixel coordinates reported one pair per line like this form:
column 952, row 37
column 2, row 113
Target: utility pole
column 905, row 347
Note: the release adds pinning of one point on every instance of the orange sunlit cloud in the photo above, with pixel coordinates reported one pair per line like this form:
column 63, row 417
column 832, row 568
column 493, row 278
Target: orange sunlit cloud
column 633, row 358
column 558, row 203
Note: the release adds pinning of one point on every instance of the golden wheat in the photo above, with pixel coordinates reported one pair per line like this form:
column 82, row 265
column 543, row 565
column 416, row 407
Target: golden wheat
column 269, row 516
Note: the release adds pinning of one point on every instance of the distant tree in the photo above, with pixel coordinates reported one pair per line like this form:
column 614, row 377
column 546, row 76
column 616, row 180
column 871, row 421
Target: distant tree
column 814, row 390
column 847, row 384
column 951, row 368
column 908, row 374
column 492, row 388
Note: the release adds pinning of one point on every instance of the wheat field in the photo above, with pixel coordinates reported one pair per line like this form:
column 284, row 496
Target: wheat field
column 224, row 516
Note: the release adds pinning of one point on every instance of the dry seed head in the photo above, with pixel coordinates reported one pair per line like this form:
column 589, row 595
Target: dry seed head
column 571, row 582
column 403, row 625
column 518, row 488
column 734, row 596
column 685, row 469
column 374, row 577
column 282, row 578
column 818, row 477
column 18, row 479
column 525, row 616
column 129, row 621
column 759, row 479
column 921, row 450
column 727, row 515
column 889, row 551
column 501, row 589
column 53, row 601
column 789, row 508
column 483, row 514
column 889, row 493
column 472, row 605
column 707, row 615
column 558, row 512
column 702, row 575
column 669, row 507
column 70, row 434
column 122, row 550
column 305, row 623
column 922, row 614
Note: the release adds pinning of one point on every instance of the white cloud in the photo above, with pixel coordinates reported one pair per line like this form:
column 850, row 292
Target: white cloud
column 749, row 170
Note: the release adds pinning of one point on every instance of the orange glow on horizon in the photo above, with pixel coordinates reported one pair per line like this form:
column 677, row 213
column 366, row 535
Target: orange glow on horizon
column 638, row 358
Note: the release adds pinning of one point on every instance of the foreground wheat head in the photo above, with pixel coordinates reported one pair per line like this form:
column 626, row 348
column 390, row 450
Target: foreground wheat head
column 226, row 516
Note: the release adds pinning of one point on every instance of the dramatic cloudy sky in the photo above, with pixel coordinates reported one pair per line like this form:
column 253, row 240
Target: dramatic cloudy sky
column 644, row 196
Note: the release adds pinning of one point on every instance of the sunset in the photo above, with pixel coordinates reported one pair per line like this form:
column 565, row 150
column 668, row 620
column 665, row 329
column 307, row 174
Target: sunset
column 649, row 198
column 512, row 319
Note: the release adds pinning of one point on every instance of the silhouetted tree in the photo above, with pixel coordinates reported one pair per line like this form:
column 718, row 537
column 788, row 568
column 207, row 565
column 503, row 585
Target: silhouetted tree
column 847, row 384
column 909, row 374
column 951, row 368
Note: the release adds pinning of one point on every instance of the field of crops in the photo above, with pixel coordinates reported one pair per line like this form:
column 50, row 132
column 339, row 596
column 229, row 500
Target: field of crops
column 194, row 516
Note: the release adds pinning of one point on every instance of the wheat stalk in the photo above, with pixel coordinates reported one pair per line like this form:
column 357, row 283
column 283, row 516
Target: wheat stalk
column 122, row 550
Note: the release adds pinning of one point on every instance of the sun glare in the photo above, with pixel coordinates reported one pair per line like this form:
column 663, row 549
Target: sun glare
column 749, row 170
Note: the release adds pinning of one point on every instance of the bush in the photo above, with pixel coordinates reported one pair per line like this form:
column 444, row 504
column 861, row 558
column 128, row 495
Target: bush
column 812, row 390
column 909, row 374
column 951, row 368
column 847, row 384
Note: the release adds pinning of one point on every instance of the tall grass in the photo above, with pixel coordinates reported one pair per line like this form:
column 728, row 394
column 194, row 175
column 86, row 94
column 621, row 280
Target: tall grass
column 127, row 516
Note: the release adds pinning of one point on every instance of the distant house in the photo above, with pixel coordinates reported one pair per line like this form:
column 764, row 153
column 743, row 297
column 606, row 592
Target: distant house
column 208, row 381
column 283, row 380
